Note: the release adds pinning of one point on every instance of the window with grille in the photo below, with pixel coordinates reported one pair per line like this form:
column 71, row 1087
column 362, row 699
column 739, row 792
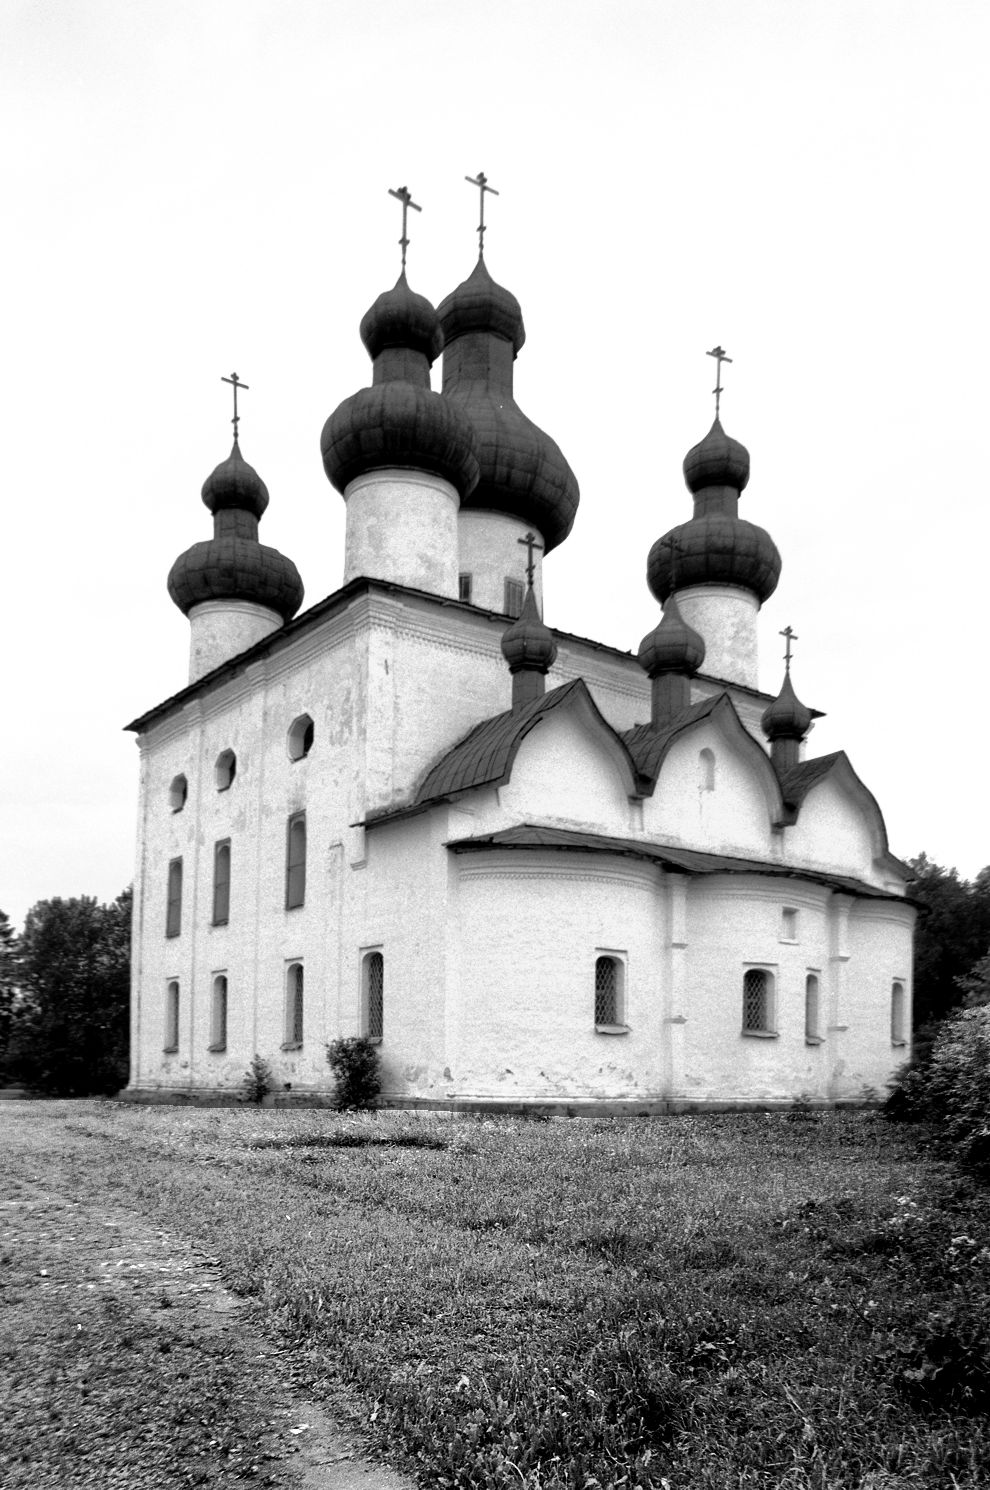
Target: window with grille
column 218, row 1013
column 173, row 910
column 514, row 593
column 464, row 587
column 757, row 1001
column 897, row 1035
column 172, row 1015
column 608, row 987
column 295, row 862
column 374, row 995
column 294, row 1005
column 225, row 769
column 221, row 882
column 811, row 1010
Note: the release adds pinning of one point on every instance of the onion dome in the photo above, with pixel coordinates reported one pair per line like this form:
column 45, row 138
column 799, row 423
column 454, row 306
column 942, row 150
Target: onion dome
column 671, row 647
column 527, row 643
column 399, row 421
column 717, row 460
column 523, row 472
column 787, row 718
column 233, row 565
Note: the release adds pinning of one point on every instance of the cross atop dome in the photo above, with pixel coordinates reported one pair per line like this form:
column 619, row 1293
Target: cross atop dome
column 790, row 635
column 720, row 355
column 404, row 195
column 481, row 181
column 236, row 383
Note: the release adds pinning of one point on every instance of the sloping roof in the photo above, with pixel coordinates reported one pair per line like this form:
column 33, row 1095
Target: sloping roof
column 648, row 746
column 529, row 836
column 797, row 783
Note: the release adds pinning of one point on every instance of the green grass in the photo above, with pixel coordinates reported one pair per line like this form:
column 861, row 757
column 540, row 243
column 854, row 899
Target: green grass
column 700, row 1302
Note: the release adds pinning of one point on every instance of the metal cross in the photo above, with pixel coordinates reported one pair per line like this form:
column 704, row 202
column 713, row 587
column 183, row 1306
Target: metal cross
column 481, row 181
column 676, row 547
column 531, row 543
column 719, row 354
column 791, row 636
column 235, row 380
column 404, row 196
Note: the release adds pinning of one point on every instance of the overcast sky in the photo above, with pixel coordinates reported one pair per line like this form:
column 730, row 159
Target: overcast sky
column 198, row 186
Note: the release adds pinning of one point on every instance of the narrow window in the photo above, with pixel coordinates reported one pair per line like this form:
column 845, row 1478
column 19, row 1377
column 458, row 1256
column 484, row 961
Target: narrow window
column 301, row 734
column 218, row 1013
column 464, row 587
column 374, row 996
column 172, row 1015
column 294, row 1006
column 811, row 1010
column 608, row 992
column 757, row 1002
column 221, row 882
column 177, row 793
column 788, row 924
column 295, row 862
column 706, row 770
column 226, row 769
column 513, row 597
column 897, row 1035
column 173, row 911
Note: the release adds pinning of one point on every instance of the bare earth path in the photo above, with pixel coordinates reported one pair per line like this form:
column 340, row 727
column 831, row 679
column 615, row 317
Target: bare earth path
column 124, row 1362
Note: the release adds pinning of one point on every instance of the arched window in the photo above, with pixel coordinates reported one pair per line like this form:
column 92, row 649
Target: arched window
column 897, row 1029
column 293, row 1006
column 177, row 793
column 811, row 1009
column 172, row 1015
column 218, row 1013
column 706, row 770
column 295, row 862
column 173, row 909
column 758, row 1002
column 221, row 882
column 225, row 769
column 301, row 735
column 609, row 1011
column 374, row 995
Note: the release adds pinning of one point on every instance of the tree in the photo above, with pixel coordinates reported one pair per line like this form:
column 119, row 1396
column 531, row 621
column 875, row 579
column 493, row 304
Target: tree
column 8, row 982
column 70, row 1034
column 953, row 932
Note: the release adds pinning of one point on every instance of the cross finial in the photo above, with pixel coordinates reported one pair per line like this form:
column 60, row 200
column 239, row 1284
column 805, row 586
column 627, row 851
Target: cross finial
column 481, row 181
column 531, row 543
column 236, row 382
column 404, row 195
column 676, row 547
column 720, row 356
column 790, row 635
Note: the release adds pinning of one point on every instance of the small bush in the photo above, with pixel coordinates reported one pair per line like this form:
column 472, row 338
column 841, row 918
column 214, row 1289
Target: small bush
column 951, row 1087
column 354, row 1063
column 257, row 1081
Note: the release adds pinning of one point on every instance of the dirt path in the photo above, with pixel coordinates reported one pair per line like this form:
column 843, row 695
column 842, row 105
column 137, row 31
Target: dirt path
column 123, row 1359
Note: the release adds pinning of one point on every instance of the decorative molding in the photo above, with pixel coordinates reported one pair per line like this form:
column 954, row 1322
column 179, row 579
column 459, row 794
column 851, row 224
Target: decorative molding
column 596, row 876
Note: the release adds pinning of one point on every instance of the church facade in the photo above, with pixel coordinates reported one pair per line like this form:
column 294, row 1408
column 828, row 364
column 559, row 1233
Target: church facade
column 534, row 869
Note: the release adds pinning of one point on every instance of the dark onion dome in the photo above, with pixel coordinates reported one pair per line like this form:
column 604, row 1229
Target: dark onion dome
column 399, row 421
column 523, row 472
column 715, row 550
column 717, row 460
column 233, row 565
column 235, row 484
column 787, row 718
column 671, row 647
column 528, row 643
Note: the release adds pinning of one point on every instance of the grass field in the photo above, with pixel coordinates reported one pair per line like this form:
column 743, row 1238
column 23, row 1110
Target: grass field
column 720, row 1301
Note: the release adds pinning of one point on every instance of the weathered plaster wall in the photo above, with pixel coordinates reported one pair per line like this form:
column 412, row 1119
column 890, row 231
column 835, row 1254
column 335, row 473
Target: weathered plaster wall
column 402, row 526
column 833, row 832
column 221, row 629
column 732, row 817
column 726, row 619
column 492, row 551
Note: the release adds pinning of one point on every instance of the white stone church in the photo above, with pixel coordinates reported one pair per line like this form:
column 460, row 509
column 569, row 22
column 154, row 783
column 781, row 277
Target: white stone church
column 536, row 870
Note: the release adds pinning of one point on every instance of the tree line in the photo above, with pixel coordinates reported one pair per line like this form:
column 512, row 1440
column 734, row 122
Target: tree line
column 65, row 979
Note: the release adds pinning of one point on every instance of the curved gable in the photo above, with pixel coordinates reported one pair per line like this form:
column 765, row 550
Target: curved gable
column 838, row 823
column 570, row 769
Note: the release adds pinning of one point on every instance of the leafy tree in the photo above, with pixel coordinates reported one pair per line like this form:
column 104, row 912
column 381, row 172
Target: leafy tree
column 953, row 933
column 70, row 1034
column 8, row 982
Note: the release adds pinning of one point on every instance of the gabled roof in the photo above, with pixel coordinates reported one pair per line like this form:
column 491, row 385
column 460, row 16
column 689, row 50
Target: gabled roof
column 529, row 837
column 797, row 783
column 648, row 746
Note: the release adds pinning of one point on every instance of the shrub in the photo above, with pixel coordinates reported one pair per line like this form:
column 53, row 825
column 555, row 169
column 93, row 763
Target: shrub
column 951, row 1086
column 354, row 1063
column 257, row 1081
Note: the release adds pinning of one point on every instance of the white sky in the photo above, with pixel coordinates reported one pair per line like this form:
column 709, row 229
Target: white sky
column 194, row 186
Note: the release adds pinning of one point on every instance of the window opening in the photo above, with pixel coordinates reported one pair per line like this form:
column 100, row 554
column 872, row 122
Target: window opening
column 295, row 862
column 173, row 911
column 294, row 1006
column 706, row 770
column 897, row 1036
column 464, row 587
column 811, row 1012
column 301, row 735
column 788, row 924
column 177, row 793
column 226, row 769
column 757, row 1001
column 172, row 1015
column 513, row 597
column 221, row 882
column 374, row 995
column 607, row 991
column 218, row 1013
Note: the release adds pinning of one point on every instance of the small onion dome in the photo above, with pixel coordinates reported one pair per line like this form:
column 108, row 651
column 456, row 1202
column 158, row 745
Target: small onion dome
column 401, row 318
column 671, row 647
column 717, row 460
column 235, row 484
column 479, row 304
column 716, row 550
column 232, row 568
column 528, row 644
column 787, row 718
column 399, row 424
